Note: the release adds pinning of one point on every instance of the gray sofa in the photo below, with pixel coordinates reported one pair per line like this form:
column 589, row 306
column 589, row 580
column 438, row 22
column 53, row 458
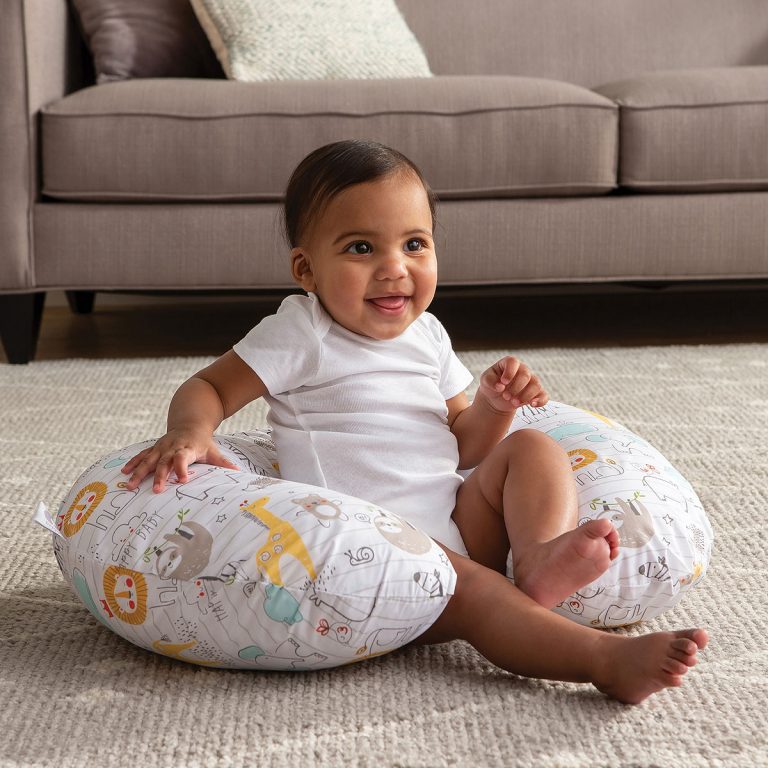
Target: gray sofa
column 570, row 141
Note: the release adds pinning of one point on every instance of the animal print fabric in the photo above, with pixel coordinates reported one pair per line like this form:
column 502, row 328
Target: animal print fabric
column 665, row 536
column 244, row 569
column 241, row 569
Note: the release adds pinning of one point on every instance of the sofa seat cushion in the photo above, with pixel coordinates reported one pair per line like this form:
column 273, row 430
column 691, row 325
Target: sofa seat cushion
column 474, row 136
column 693, row 130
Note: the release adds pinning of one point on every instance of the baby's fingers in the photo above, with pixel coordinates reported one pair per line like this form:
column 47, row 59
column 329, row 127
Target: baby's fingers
column 179, row 462
column 520, row 384
column 145, row 464
column 506, row 370
column 217, row 458
column 131, row 463
column 165, row 464
column 532, row 394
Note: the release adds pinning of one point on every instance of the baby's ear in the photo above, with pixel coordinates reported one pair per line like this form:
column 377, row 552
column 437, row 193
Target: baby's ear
column 301, row 268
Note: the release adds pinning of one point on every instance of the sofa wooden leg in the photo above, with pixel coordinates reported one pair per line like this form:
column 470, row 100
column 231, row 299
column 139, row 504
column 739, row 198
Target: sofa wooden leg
column 81, row 302
column 20, row 315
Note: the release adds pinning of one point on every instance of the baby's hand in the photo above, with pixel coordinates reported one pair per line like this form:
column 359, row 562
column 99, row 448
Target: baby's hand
column 175, row 451
column 509, row 383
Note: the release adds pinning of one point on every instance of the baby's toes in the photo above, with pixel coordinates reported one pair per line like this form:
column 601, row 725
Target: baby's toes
column 614, row 542
column 686, row 658
column 670, row 680
column 674, row 667
column 685, row 645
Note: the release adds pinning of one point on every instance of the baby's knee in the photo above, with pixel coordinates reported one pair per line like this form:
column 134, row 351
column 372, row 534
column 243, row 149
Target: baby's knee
column 525, row 442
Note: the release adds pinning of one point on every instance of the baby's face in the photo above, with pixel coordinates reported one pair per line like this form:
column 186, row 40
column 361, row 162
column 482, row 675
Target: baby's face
column 370, row 257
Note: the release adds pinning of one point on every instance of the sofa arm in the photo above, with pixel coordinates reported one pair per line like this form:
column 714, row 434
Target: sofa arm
column 41, row 59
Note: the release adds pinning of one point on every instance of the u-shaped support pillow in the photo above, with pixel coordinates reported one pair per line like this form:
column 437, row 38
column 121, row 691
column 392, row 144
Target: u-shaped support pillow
column 239, row 568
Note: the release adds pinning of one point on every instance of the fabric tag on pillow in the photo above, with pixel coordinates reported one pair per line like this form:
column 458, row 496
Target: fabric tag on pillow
column 43, row 517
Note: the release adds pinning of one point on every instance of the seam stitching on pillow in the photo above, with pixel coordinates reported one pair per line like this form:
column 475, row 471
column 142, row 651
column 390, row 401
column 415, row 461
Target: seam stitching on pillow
column 356, row 595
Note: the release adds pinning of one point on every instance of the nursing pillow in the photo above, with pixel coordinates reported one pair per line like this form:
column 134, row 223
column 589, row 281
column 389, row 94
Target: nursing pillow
column 238, row 568
column 241, row 569
column 665, row 536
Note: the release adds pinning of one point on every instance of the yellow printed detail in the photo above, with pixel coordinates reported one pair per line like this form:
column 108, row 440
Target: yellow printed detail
column 85, row 502
column 362, row 656
column 601, row 417
column 694, row 577
column 581, row 457
column 126, row 593
column 174, row 650
column 283, row 539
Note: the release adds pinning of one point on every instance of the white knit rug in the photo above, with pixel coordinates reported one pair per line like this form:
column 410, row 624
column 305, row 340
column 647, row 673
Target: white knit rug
column 73, row 694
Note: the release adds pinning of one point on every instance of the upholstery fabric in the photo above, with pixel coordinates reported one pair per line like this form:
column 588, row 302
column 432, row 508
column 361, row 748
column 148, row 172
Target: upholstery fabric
column 15, row 128
column 39, row 63
column 498, row 136
column 588, row 42
column 624, row 237
column 693, row 130
column 311, row 39
column 145, row 38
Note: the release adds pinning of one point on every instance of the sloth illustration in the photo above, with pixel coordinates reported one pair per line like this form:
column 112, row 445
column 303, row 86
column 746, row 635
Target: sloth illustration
column 632, row 520
column 401, row 534
column 186, row 554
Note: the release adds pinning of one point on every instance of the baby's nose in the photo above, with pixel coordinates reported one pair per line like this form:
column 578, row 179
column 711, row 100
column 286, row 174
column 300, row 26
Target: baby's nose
column 393, row 266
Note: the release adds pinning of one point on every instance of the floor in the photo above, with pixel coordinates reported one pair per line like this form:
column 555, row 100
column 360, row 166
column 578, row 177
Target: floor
column 133, row 325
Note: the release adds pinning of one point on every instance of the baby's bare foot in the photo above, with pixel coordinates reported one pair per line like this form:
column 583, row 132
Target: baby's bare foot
column 552, row 571
column 635, row 667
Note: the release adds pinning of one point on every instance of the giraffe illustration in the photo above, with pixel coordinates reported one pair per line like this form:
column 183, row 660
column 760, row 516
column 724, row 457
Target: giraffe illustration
column 283, row 539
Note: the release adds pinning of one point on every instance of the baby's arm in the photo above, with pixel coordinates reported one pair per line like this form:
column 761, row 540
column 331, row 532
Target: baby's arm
column 199, row 405
column 479, row 427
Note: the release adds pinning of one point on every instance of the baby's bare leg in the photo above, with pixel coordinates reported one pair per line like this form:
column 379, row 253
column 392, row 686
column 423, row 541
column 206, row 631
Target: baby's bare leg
column 523, row 497
column 516, row 633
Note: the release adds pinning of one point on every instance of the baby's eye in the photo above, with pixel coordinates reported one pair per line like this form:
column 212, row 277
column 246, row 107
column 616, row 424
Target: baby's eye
column 415, row 244
column 360, row 248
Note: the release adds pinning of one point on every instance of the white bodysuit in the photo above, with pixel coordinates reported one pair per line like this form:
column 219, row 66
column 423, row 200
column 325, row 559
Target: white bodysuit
column 362, row 416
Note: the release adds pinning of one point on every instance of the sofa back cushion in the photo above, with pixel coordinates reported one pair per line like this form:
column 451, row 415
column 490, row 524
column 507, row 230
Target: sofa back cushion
column 587, row 42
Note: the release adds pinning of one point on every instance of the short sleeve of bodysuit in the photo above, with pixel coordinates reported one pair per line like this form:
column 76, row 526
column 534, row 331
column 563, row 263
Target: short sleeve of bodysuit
column 284, row 349
column 455, row 377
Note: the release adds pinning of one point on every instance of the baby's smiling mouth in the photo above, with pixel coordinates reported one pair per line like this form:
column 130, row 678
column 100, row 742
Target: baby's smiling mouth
column 389, row 303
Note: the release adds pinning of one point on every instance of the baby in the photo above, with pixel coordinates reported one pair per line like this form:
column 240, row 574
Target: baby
column 367, row 398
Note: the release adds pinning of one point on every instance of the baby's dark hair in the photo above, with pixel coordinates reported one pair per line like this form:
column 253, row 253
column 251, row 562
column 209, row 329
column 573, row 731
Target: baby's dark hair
column 324, row 173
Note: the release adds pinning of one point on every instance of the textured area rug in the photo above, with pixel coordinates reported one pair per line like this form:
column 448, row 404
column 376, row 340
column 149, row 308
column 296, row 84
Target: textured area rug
column 73, row 694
